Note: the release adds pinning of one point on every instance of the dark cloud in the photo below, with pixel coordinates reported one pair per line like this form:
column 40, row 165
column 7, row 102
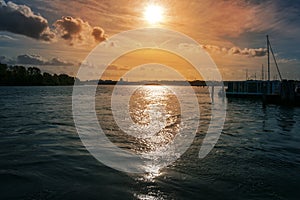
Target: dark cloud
column 77, row 31
column 34, row 60
column 30, row 60
column 98, row 34
column 20, row 19
column 38, row 60
column 58, row 62
column 70, row 28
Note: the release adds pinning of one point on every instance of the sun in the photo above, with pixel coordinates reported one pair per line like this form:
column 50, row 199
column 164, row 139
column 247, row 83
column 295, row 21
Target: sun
column 153, row 14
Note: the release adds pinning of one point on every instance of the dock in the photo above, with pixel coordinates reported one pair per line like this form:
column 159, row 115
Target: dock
column 282, row 91
column 285, row 92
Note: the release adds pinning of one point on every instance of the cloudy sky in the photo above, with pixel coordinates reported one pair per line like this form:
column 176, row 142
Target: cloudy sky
column 56, row 35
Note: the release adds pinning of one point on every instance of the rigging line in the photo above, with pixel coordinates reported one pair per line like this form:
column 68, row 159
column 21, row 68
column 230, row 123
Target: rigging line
column 275, row 61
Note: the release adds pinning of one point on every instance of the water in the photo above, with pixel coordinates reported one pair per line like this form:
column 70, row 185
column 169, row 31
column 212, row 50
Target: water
column 42, row 157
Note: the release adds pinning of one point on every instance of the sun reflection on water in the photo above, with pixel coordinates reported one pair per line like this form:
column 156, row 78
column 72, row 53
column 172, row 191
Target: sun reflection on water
column 157, row 108
column 145, row 104
column 150, row 191
column 158, row 103
column 153, row 113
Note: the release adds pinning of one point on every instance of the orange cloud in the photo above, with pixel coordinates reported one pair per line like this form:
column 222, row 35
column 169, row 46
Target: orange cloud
column 78, row 32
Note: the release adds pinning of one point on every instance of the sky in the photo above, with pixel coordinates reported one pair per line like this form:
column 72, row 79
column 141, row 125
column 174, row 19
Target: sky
column 57, row 36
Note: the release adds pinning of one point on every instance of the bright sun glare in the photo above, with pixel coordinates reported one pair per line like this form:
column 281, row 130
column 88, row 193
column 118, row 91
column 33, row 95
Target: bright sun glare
column 153, row 14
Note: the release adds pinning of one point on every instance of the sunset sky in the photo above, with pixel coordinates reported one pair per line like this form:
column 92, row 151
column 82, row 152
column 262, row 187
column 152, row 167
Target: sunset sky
column 56, row 35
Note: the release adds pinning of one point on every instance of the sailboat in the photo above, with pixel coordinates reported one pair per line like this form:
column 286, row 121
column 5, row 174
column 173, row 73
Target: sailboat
column 270, row 91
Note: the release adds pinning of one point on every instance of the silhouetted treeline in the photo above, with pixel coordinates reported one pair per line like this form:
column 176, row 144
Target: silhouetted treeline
column 19, row 75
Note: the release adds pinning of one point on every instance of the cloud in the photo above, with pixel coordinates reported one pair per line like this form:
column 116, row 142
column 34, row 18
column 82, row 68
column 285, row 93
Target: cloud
column 58, row 62
column 220, row 22
column 34, row 60
column 118, row 68
column 287, row 60
column 38, row 60
column 30, row 60
column 76, row 31
column 214, row 49
column 20, row 19
column 259, row 52
column 98, row 34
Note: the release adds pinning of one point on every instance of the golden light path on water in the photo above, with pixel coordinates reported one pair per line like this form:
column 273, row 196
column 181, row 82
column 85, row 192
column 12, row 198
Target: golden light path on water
column 158, row 102
column 157, row 109
column 153, row 108
column 163, row 101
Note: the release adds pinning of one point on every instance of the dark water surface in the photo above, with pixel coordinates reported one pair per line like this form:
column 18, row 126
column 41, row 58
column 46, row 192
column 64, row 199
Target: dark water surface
column 42, row 157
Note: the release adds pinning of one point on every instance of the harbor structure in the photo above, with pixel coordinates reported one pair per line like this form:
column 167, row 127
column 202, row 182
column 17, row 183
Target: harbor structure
column 269, row 91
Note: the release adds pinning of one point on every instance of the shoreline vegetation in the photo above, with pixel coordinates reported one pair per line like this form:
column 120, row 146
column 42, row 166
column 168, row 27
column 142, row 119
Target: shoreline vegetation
column 32, row 76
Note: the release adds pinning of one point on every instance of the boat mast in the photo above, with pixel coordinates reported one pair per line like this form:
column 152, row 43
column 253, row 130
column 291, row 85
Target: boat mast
column 268, row 53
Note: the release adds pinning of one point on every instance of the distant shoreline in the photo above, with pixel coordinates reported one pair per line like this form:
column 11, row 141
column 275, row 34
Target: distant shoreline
column 32, row 76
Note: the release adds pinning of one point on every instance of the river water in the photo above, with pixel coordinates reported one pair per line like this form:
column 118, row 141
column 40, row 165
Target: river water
column 42, row 157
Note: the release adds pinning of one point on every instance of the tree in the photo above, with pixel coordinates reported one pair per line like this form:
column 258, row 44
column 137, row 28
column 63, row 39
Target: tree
column 19, row 75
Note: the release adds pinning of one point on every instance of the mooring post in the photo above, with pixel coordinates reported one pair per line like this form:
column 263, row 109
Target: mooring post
column 212, row 93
